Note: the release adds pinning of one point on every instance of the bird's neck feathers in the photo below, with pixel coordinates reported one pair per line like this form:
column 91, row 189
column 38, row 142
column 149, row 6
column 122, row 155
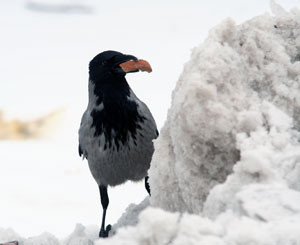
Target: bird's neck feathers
column 108, row 90
column 114, row 111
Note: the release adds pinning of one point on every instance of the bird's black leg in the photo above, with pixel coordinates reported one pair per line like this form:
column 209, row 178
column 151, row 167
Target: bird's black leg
column 104, row 201
column 147, row 186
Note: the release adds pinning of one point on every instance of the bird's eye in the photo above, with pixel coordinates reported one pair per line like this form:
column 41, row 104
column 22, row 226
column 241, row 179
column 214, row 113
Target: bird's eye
column 104, row 62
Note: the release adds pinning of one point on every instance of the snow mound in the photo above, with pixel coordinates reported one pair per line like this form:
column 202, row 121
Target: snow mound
column 235, row 112
column 229, row 152
column 161, row 227
column 131, row 216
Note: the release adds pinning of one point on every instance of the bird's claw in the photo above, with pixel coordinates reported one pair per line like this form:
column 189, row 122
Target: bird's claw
column 104, row 233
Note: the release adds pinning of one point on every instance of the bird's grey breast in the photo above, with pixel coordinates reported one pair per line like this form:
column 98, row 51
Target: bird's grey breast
column 113, row 125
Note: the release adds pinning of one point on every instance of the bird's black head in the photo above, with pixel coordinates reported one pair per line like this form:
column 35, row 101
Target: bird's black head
column 106, row 65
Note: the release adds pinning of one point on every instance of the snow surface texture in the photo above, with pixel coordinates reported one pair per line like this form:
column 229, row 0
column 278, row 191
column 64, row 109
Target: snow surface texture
column 227, row 162
column 131, row 216
column 236, row 112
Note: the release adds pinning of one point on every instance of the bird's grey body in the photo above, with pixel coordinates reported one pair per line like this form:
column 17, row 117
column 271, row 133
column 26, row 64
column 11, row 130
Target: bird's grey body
column 117, row 129
column 109, row 165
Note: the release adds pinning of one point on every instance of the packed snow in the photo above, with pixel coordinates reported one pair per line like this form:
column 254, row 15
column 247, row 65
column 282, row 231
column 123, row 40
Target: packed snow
column 236, row 104
column 226, row 168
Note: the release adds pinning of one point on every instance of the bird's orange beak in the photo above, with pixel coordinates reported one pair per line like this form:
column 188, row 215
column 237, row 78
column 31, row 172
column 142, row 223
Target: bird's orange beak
column 134, row 65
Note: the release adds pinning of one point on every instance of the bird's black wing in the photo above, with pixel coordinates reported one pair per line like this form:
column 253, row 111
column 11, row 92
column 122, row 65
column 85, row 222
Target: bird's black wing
column 157, row 133
column 80, row 151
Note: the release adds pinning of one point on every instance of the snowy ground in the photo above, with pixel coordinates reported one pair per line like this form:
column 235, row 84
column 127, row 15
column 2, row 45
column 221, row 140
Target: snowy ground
column 44, row 185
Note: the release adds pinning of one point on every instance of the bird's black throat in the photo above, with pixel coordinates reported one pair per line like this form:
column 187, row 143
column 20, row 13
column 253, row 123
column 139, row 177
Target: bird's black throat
column 118, row 119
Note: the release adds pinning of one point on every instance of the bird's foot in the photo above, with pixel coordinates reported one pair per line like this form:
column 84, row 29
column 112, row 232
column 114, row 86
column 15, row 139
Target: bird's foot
column 104, row 232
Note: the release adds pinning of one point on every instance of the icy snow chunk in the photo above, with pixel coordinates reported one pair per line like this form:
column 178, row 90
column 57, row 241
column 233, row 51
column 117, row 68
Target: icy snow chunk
column 269, row 202
column 235, row 111
column 249, row 121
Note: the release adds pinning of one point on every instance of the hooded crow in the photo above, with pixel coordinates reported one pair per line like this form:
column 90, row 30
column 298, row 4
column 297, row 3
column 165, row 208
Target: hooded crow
column 117, row 129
